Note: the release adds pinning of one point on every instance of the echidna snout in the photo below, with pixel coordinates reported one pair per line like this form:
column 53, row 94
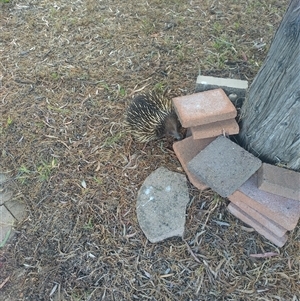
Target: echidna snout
column 171, row 127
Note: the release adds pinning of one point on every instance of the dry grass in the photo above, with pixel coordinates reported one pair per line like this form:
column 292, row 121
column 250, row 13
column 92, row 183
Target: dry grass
column 68, row 71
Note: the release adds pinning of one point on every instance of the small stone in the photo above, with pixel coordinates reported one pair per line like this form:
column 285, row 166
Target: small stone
column 161, row 205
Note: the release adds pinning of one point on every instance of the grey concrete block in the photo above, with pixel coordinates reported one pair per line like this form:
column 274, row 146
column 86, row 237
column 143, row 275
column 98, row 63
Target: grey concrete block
column 224, row 166
column 161, row 205
column 230, row 86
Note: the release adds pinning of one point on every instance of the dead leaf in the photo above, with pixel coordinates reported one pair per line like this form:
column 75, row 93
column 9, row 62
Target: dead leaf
column 3, row 283
column 264, row 255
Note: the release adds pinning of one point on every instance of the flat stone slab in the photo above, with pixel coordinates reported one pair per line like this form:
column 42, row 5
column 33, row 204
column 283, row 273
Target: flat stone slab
column 283, row 211
column 204, row 107
column 185, row 151
column 5, row 194
column 17, row 209
column 161, row 205
column 243, row 216
column 224, row 166
column 280, row 181
column 11, row 210
column 6, row 225
column 229, row 85
column 215, row 129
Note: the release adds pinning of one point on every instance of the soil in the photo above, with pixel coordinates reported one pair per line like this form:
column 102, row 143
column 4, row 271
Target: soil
column 69, row 69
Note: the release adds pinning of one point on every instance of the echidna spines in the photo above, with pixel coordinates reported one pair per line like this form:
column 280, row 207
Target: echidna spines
column 150, row 117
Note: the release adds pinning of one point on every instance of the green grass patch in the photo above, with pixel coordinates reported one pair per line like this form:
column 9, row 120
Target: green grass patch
column 89, row 225
column 110, row 141
column 45, row 169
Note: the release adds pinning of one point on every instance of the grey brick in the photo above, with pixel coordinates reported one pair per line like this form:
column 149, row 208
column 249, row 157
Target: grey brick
column 224, row 166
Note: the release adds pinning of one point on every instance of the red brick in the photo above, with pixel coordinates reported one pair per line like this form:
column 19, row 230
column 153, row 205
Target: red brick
column 185, row 151
column 283, row 211
column 280, row 181
column 243, row 216
column 215, row 129
column 204, row 107
column 263, row 220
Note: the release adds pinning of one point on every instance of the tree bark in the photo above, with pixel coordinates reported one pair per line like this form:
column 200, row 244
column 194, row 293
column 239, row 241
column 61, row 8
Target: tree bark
column 270, row 117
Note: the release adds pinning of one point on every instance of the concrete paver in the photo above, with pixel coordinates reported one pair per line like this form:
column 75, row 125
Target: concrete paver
column 229, row 85
column 224, row 166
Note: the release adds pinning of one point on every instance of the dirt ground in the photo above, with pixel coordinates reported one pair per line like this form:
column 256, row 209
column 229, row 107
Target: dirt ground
column 68, row 71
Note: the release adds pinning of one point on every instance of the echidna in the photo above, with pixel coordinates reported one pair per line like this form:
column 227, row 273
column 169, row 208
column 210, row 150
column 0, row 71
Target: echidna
column 152, row 117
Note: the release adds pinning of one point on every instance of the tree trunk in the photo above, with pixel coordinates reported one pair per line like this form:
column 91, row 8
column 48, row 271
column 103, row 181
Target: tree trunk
column 270, row 118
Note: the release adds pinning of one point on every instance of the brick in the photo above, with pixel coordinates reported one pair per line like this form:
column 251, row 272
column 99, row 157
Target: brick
column 229, row 85
column 263, row 220
column 243, row 216
column 185, row 151
column 215, row 129
column 204, row 107
column 279, row 181
column 283, row 211
column 223, row 166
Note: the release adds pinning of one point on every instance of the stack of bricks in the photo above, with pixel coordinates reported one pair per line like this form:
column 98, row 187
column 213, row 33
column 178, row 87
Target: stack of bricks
column 257, row 193
column 269, row 202
column 206, row 115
